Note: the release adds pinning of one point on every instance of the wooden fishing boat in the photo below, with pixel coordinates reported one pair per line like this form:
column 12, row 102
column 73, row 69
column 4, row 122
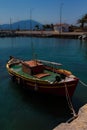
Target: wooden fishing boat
column 42, row 76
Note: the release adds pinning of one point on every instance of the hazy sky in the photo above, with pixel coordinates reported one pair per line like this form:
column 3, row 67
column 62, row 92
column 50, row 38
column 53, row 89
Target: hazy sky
column 44, row 11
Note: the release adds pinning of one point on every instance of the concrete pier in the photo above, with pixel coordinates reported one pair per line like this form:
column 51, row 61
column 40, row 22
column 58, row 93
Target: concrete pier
column 80, row 123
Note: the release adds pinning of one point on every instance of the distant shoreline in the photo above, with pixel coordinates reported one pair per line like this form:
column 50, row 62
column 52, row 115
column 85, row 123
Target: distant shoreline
column 72, row 35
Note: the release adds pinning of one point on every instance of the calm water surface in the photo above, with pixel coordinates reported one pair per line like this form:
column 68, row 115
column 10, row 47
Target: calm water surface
column 22, row 110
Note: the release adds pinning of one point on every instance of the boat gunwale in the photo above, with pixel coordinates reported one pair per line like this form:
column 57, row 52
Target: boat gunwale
column 34, row 78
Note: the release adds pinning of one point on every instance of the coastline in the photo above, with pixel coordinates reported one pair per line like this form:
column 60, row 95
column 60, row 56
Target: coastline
column 70, row 35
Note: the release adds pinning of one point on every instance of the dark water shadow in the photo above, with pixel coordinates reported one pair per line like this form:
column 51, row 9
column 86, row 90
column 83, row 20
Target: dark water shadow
column 50, row 104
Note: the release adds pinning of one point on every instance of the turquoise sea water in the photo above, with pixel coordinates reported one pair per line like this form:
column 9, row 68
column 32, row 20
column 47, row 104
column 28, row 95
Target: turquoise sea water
column 22, row 110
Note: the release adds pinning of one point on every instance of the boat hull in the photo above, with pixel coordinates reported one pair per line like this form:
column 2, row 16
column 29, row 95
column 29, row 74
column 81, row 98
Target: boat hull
column 58, row 89
column 43, row 86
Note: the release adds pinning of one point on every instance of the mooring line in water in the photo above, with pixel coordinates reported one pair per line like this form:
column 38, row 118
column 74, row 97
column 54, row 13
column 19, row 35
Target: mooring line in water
column 83, row 83
column 70, row 105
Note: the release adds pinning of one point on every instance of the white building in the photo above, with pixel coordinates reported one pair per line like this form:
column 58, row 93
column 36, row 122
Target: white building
column 61, row 27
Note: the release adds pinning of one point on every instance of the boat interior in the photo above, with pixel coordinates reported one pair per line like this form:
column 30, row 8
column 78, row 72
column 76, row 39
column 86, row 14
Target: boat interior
column 34, row 69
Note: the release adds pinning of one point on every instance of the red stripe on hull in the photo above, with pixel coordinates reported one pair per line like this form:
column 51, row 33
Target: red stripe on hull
column 60, row 91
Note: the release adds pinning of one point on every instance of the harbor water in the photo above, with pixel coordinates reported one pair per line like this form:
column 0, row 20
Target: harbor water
column 23, row 110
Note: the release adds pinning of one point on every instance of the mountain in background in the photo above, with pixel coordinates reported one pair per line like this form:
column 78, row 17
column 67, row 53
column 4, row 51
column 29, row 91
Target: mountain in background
column 21, row 25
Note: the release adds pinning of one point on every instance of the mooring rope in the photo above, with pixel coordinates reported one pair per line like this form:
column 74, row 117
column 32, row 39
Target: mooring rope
column 70, row 105
column 83, row 83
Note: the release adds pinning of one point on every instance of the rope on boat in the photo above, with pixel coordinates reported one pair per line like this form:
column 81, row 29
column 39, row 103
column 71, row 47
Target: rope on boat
column 83, row 83
column 70, row 105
